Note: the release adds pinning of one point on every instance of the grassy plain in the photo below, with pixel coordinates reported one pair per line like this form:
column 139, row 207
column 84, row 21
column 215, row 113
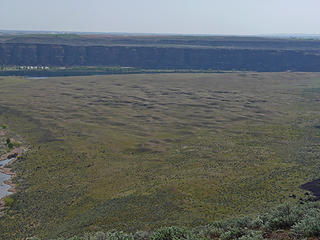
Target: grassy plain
column 132, row 152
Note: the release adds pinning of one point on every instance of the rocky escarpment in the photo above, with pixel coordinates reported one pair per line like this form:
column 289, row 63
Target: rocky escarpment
column 153, row 57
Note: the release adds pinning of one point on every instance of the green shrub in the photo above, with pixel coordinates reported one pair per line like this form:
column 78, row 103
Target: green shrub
column 256, row 223
column 112, row 235
column 309, row 226
column 252, row 236
column 210, row 231
column 8, row 201
column 141, row 235
column 302, row 220
column 171, row 233
column 218, row 224
column 10, row 145
column 242, row 222
column 232, row 228
column 283, row 217
column 310, row 205
column 4, row 126
column 75, row 238
column 233, row 233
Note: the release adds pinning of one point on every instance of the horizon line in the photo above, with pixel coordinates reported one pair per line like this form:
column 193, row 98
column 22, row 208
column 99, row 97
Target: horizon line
column 164, row 34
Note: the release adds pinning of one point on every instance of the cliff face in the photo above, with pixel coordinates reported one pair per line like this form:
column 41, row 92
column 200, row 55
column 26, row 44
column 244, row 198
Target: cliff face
column 160, row 57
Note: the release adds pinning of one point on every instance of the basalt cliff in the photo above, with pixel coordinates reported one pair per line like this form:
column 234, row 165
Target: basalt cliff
column 252, row 54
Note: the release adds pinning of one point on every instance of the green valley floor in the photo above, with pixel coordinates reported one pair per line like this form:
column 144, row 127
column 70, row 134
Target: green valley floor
column 139, row 152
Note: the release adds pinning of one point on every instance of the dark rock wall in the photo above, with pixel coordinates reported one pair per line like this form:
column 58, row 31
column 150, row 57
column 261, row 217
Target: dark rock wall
column 160, row 57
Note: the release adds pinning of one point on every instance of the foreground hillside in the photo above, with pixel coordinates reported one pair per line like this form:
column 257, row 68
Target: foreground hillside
column 284, row 222
column 162, row 52
column 141, row 152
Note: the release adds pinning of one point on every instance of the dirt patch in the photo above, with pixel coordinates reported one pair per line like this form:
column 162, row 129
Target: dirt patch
column 15, row 152
column 2, row 133
column 278, row 235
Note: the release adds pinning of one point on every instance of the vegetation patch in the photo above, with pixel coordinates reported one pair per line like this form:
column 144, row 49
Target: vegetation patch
column 293, row 222
column 149, row 151
column 8, row 201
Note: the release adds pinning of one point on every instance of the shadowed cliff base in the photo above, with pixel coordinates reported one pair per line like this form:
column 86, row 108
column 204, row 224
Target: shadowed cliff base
column 314, row 187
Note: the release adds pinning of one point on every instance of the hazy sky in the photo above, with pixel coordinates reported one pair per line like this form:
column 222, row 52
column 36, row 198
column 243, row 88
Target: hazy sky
column 163, row 16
